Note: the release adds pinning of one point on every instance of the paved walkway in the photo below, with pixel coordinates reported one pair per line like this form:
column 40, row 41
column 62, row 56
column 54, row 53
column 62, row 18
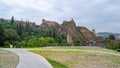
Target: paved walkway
column 30, row 60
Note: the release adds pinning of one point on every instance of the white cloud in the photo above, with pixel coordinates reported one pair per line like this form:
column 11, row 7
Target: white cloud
column 89, row 13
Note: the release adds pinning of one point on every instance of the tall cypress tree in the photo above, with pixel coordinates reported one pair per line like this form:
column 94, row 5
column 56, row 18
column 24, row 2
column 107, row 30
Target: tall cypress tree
column 19, row 30
column 13, row 24
column 2, row 35
column 12, row 20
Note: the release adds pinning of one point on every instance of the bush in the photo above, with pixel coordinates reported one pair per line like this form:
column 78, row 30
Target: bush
column 33, row 42
column 48, row 41
column 64, row 41
column 21, row 44
column 113, row 46
column 7, row 44
column 76, row 42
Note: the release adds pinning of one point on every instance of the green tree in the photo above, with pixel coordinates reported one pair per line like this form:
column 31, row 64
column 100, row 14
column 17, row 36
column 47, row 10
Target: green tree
column 76, row 42
column 7, row 44
column 21, row 44
column 50, row 40
column 33, row 42
column 12, row 22
column 11, row 35
column 42, row 41
column 19, row 30
column 64, row 41
column 2, row 35
column 6, row 25
column 113, row 46
column 45, row 41
column 111, row 37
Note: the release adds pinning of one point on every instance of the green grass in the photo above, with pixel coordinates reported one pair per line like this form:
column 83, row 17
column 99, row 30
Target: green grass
column 79, row 57
column 72, row 49
column 56, row 64
column 8, row 59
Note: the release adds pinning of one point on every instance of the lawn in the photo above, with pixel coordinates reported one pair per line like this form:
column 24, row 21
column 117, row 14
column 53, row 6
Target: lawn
column 8, row 59
column 56, row 64
column 73, row 48
column 80, row 58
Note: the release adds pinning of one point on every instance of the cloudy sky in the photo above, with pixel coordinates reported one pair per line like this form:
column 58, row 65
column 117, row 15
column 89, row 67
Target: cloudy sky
column 102, row 15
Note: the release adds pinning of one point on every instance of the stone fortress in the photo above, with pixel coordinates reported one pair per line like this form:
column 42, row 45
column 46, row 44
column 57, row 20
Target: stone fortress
column 70, row 29
column 67, row 28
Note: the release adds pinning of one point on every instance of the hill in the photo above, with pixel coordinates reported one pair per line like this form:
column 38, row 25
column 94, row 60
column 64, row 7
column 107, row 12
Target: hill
column 66, row 32
column 106, row 34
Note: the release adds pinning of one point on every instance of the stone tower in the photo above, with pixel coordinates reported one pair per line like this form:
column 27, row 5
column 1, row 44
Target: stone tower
column 69, row 39
column 43, row 20
column 94, row 32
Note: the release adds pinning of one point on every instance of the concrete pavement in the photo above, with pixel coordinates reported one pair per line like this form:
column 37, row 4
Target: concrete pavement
column 30, row 60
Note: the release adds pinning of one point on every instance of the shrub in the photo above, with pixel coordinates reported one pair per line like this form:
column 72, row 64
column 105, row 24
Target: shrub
column 7, row 44
column 21, row 44
column 76, row 42
column 64, row 41
column 48, row 41
column 113, row 46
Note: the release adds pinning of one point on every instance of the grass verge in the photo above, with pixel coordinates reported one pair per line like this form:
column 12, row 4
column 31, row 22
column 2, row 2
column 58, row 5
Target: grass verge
column 8, row 59
column 56, row 64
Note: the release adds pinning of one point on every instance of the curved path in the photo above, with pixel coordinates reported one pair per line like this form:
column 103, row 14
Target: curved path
column 30, row 60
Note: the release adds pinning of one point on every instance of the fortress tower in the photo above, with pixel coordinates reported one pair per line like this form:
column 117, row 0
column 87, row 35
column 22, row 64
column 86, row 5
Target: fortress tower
column 94, row 31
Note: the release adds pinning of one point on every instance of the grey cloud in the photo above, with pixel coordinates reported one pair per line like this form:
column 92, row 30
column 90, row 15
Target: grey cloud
column 88, row 13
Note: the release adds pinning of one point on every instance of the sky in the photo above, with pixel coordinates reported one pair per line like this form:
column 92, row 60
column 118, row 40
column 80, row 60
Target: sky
column 102, row 15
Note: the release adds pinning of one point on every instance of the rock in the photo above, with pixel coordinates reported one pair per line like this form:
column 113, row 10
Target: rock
column 88, row 35
column 69, row 29
column 47, row 25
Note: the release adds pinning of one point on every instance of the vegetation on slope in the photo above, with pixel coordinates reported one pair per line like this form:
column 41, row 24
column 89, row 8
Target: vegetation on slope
column 22, row 34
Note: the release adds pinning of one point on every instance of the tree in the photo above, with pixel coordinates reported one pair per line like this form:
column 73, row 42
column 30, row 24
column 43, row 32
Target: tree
column 76, row 42
column 42, row 41
column 21, row 44
column 19, row 30
column 2, row 35
column 64, row 41
column 11, row 35
column 33, row 42
column 12, row 20
column 111, row 37
column 113, row 46
column 50, row 40
column 6, row 25
column 45, row 41
column 12, row 23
